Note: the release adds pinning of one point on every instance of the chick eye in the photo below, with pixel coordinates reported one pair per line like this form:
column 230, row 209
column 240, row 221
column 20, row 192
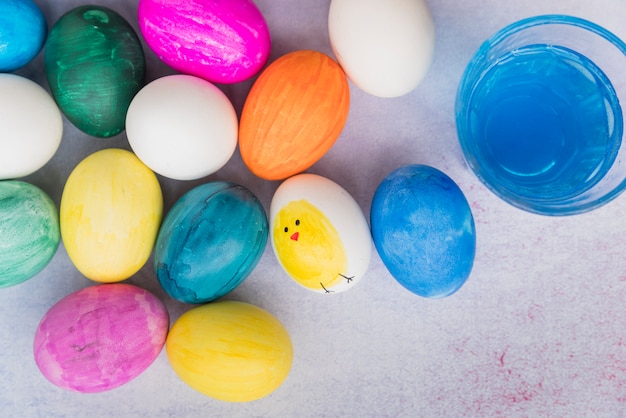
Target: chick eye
column 286, row 229
column 297, row 222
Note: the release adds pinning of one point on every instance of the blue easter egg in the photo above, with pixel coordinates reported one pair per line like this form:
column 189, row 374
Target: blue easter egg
column 210, row 241
column 423, row 230
column 23, row 30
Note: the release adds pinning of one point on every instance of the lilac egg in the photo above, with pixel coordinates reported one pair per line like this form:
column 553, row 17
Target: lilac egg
column 100, row 337
column 222, row 41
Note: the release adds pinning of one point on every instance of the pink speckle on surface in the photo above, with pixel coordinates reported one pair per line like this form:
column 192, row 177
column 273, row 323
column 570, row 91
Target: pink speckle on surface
column 222, row 41
column 100, row 337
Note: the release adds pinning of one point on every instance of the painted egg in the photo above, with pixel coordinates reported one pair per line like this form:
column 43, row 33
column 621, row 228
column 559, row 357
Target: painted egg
column 29, row 231
column 110, row 213
column 223, row 41
column 100, row 337
column 294, row 113
column 32, row 127
column 423, row 229
column 319, row 234
column 94, row 65
column 23, row 33
column 231, row 351
column 182, row 127
column 210, row 241
column 385, row 47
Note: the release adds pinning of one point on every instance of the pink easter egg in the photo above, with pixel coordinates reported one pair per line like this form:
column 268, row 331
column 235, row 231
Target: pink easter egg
column 222, row 41
column 100, row 337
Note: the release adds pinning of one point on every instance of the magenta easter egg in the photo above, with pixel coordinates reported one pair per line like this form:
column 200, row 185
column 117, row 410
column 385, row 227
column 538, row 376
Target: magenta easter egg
column 222, row 41
column 100, row 337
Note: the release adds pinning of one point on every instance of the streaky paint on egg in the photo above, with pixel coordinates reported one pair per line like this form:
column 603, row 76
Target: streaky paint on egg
column 111, row 209
column 29, row 231
column 24, row 31
column 94, row 65
column 210, row 241
column 230, row 351
column 385, row 47
column 32, row 127
column 100, row 337
column 294, row 113
column 319, row 234
column 182, row 127
column 424, row 230
column 222, row 41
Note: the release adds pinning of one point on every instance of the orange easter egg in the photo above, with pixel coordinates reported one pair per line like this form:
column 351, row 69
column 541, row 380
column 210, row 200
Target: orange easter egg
column 293, row 114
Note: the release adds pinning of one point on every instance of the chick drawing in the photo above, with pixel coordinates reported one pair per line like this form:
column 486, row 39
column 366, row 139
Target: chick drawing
column 319, row 234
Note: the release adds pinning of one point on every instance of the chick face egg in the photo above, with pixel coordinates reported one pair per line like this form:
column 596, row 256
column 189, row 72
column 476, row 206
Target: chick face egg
column 294, row 113
column 224, row 41
column 100, row 337
column 424, row 231
column 385, row 47
column 319, row 234
column 94, row 66
column 111, row 209
column 29, row 231
column 231, row 351
column 210, row 242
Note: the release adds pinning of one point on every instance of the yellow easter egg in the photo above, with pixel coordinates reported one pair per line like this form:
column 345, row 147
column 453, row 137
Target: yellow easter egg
column 231, row 351
column 110, row 212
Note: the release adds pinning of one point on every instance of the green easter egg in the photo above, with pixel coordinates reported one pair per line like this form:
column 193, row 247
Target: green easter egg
column 95, row 65
column 29, row 231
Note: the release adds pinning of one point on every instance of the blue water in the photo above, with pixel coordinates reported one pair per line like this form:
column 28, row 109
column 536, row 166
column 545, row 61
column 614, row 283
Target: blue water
column 547, row 122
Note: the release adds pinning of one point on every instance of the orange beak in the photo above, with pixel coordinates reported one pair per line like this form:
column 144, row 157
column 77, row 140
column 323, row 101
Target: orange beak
column 295, row 236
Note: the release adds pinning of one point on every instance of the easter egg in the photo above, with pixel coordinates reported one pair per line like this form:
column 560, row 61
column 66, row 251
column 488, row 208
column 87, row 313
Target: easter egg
column 319, row 234
column 293, row 114
column 101, row 337
column 385, row 47
column 110, row 213
column 23, row 33
column 424, row 231
column 231, row 351
column 32, row 127
column 29, row 231
column 94, row 65
column 210, row 241
column 182, row 127
column 222, row 41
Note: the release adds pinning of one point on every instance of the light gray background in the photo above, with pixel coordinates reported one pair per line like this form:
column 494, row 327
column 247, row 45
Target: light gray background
column 539, row 329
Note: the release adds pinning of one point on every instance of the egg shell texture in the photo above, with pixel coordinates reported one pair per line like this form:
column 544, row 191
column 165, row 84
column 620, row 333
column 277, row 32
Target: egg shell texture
column 210, row 242
column 94, row 65
column 100, row 337
column 111, row 209
column 32, row 127
column 223, row 41
column 424, row 231
column 294, row 113
column 182, row 127
column 29, row 231
column 385, row 47
column 23, row 33
column 319, row 234
column 231, row 351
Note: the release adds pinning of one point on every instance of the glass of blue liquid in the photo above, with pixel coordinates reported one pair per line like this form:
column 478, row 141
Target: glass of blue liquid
column 539, row 116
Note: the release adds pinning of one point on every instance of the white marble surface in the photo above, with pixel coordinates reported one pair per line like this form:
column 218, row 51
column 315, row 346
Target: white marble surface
column 539, row 329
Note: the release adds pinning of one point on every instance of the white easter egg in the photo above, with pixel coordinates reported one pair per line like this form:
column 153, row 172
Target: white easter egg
column 32, row 126
column 385, row 47
column 182, row 127
column 319, row 234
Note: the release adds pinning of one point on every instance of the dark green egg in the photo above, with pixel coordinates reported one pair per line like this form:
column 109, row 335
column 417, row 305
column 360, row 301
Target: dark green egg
column 95, row 65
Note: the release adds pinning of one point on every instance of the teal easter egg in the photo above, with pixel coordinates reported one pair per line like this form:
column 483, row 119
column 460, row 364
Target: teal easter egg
column 29, row 231
column 423, row 230
column 210, row 241
column 94, row 65
column 23, row 30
